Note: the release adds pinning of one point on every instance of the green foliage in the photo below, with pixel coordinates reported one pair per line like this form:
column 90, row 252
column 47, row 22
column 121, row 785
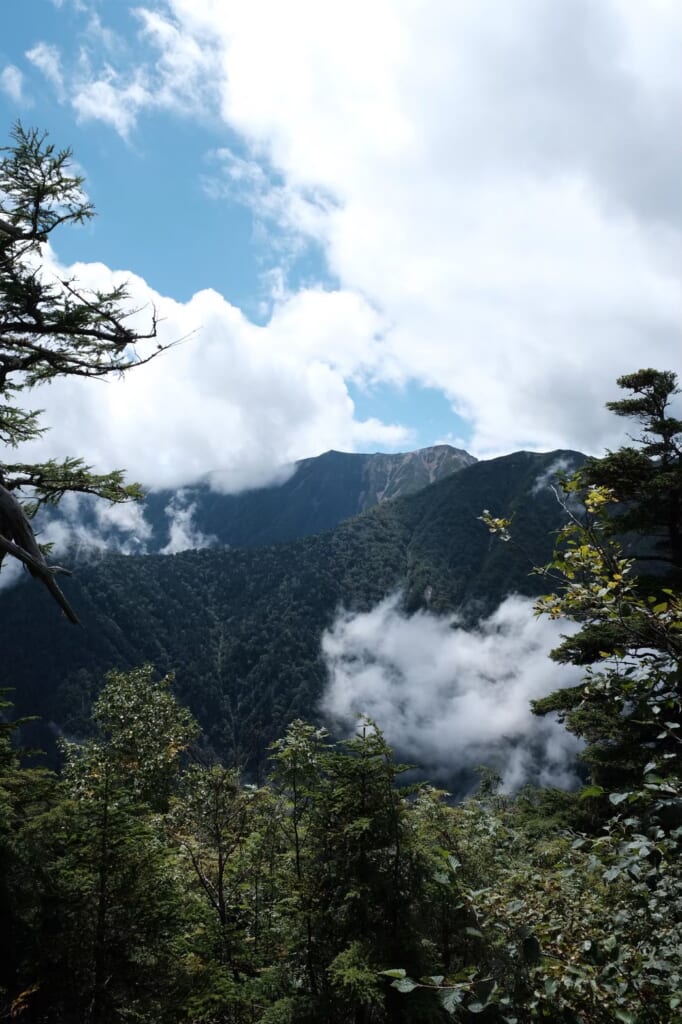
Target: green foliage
column 620, row 956
column 647, row 480
column 242, row 628
column 629, row 706
column 144, row 731
column 334, row 894
column 95, row 908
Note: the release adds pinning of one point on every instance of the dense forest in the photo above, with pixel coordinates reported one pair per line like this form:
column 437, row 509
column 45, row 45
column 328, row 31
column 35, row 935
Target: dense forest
column 242, row 629
column 144, row 880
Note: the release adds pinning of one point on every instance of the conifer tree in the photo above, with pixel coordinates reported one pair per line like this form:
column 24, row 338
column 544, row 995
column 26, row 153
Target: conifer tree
column 646, row 480
column 99, row 905
column 50, row 327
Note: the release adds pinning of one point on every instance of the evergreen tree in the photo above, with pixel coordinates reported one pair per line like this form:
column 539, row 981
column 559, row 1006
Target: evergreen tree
column 99, row 901
column 646, row 480
column 49, row 328
column 357, row 888
column 629, row 705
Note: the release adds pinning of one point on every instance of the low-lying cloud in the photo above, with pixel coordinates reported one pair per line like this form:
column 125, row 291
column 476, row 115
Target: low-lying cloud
column 183, row 532
column 451, row 698
column 84, row 527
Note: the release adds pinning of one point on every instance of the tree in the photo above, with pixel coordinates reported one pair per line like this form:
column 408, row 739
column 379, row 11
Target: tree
column 646, row 480
column 49, row 328
column 355, row 896
column 98, row 904
column 629, row 705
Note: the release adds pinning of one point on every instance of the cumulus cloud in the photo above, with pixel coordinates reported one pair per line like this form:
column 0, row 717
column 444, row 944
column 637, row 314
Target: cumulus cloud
column 494, row 187
column 504, row 185
column 12, row 573
column 451, row 698
column 234, row 398
column 84, row 528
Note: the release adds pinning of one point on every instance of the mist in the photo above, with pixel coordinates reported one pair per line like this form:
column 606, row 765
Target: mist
column 450, row 698
column 183, row 533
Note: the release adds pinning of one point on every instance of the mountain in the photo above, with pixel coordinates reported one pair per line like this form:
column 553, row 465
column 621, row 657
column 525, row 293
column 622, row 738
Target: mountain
column 320, row 493
column 311, row 496
column 242, row 627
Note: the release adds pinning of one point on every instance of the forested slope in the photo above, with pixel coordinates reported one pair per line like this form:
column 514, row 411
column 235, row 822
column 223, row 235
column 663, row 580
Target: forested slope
column 242, row 628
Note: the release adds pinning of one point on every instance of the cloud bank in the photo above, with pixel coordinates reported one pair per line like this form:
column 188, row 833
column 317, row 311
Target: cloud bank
column 450, row 698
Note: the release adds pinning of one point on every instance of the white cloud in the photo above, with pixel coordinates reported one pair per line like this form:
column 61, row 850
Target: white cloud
column 550, row 477
column 297, row 214
column 179, row 78
column 505, row 186
column 237, row 399
column 126, row 518
column 182, row 530
column 12, row 84
column 11, row 573
column 47, row 59
column 105, row 100
column 497, row 184
column 451, row 698
column 84, row 528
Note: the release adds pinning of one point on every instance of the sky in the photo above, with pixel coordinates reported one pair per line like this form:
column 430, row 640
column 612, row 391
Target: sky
column 377, row 225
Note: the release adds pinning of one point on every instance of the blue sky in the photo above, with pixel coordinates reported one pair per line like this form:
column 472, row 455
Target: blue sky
column 384, row 224
column 135, row 183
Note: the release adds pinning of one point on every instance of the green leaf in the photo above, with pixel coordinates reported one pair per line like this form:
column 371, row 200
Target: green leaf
column 404, row 985
column 396, row 972
column 618, row 798
column 590, row 792
column 451, row 999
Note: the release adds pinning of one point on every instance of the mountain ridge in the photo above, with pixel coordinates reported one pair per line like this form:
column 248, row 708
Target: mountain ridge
column 321, row 492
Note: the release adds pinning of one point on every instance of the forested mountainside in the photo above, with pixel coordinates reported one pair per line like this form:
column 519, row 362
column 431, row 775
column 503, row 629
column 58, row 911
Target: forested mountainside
column 242, row 628
column 317, row 495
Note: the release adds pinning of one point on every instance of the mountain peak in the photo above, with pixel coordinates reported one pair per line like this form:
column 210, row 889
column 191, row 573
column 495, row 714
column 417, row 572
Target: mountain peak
column 321, row 492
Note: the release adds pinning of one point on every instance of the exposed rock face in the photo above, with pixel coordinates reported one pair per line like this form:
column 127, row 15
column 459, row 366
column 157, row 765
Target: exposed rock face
column 393, row 476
